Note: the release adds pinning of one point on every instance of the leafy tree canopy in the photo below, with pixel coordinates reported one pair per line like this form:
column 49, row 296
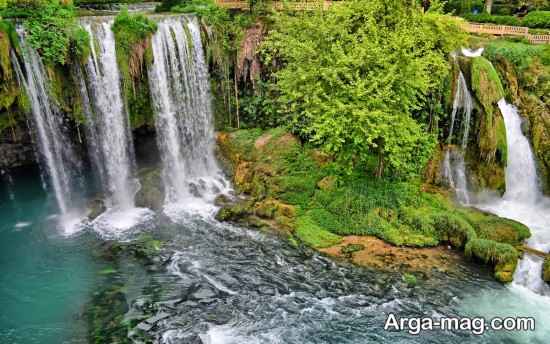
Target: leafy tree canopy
column 352, row 77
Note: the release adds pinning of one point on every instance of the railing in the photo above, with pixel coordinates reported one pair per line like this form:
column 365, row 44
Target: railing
column 503, row 30
column 496, row 29
column 539, row 39
column 278, row 5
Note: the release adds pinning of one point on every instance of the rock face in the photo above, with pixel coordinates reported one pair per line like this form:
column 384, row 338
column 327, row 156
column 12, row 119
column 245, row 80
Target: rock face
column 16, row 149
column 14, row 155
column 151, row 194
column 486, row 152
column 546, row 270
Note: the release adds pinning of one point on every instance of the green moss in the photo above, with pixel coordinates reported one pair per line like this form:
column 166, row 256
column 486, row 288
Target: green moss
column 503, row 256
column 313, row 235
column 409, row 279
column 488, row 91
column 133, row 48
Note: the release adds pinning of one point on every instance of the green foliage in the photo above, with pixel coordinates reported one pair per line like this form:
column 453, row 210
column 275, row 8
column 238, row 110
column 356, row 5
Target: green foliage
column 313, row 235
column 460, row 7
column 409, row 279
column 352, row 77
column 490, row 251
column 521, row 55
column 133, row 49
column 260, row 109
column 500, row 20
column 537, row 19
column 488, row 89
column 53, row 30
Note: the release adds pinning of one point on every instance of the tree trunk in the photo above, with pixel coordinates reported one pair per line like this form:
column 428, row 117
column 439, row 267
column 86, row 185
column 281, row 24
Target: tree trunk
column 380, row 168
column 488, row 6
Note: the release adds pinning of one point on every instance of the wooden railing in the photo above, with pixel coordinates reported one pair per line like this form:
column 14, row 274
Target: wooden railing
column 278, row 5
column 503, row 30
column 539, row 39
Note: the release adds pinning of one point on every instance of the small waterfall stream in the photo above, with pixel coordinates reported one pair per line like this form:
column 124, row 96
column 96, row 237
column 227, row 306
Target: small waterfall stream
column 523, row 201
column 179, row 85
column 110, row 139
column 110, row 119
column 54, row 146
column 454, row 167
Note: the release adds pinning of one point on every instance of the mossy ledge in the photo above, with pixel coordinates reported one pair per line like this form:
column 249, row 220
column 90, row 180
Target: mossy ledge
column 134, row 54
column 299, row 192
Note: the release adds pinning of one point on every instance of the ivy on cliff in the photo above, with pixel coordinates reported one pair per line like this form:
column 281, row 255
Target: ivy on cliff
column 133, row 48
column 52, row 29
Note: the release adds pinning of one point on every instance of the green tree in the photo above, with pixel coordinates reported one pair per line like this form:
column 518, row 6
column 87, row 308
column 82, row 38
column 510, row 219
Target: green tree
column 352, row 77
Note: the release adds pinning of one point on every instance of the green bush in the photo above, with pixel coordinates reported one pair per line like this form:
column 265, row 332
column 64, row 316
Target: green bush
column 338, row 87
column 537, row 19
column 53, row 30
column 521, row 55
column 500, row 20
column 409, row 279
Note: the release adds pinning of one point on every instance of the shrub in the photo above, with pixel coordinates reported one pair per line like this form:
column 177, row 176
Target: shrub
column 500, row 20
column 409, row 279
column 52, row 29
column 537, row 19
column 519, row 54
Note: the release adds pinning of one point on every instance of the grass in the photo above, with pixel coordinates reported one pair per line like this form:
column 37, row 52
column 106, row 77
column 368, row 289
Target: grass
column 519, row 54
column 313, row 235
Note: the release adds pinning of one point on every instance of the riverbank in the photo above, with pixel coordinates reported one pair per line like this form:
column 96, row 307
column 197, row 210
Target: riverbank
column 302, row 194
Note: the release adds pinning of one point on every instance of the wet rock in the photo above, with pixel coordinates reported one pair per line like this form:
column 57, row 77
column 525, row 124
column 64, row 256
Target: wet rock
column 155, row 319
column 203, row 294
column 151, row 193
column 143, row 326
column 96, row 207
column 546, row 270
column 222, row 201
column 267, row 290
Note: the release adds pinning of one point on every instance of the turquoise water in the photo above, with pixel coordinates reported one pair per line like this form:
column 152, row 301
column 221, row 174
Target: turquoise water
column 45, row 278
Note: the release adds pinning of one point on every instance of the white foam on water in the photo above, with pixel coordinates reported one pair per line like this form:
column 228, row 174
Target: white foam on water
column 117, row 223
column 472, row 53
column 20, row 225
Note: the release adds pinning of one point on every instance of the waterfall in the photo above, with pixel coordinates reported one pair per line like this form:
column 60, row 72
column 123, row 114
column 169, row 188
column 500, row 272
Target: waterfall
column 55, row 148
column 454, row 167
column 523, row 201
column 111, row 140
column 109, row 137
column 180, row 91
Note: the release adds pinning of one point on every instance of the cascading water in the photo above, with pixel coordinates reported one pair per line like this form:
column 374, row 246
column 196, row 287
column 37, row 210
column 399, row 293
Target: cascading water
column 454, row 167
column 110, row 137
column 179, row 86
column 55, row 148
column 523, row 201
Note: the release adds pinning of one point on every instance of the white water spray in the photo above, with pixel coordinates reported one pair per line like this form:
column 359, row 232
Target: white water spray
column 111, row 144
column 523, row 201
column 454, row 167
column 55, row 147
column 179, row 86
